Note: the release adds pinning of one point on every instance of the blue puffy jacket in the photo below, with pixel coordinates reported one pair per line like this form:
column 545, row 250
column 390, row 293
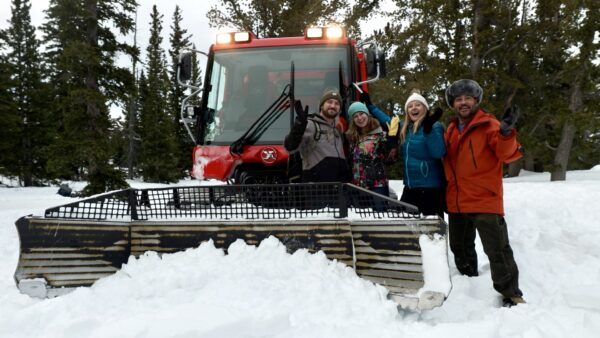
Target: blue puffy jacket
column 421, row 154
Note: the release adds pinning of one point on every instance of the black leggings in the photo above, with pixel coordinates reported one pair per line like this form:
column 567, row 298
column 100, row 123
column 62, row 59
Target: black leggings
column 430, row 201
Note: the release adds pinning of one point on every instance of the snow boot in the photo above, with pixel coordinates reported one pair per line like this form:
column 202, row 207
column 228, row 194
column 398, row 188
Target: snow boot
column 469, row 270
column 512, row 301
column 467, row 266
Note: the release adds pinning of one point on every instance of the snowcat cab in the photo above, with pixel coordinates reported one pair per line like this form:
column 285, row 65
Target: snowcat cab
column 245, row 112
column 244, row 115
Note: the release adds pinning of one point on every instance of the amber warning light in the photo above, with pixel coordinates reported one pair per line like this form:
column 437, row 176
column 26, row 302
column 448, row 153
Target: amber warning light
column 331, row 32
column 236, row 37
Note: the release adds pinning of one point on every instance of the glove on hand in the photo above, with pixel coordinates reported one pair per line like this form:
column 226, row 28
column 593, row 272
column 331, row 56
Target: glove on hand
column 294, row 138
column 392, row 156
column 393, row 126
column 365, row 98
column 429, row 120
column 301, row 114
column 509, row 119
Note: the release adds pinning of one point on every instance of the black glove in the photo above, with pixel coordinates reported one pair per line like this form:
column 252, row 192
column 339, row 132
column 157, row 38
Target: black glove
column 301, row 114
column 365, row 98
column 392, row 156
column 429, row 120
column 391, row 145
column 293, row 139
column 509, row 119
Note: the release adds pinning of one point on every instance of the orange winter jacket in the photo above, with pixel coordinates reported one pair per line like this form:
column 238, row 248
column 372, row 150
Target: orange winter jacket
column 473, row 164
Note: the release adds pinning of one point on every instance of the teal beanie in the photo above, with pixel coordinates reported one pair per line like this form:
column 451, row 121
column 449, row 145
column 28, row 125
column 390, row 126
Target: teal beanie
column 357, row 107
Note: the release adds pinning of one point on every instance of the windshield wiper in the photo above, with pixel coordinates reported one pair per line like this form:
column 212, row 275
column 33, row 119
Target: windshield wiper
column 264, row 121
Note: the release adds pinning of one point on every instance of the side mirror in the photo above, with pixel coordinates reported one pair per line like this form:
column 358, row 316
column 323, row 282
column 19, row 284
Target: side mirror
column 374, row 58
column 371, row 62
column 381, row 62
column 184, row 67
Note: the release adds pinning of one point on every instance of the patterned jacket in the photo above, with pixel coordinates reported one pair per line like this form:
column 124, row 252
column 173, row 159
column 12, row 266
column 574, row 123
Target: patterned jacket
column 368, row 154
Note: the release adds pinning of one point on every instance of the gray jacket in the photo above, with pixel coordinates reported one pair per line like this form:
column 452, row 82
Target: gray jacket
column 321, row 148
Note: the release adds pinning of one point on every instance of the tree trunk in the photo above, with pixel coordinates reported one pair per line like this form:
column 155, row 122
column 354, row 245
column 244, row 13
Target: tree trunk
column 476, row 48
column 528, row 162
column 92, row 109
column 27, row 166
column 514, row 168
column 561, row 158
column 132, row 112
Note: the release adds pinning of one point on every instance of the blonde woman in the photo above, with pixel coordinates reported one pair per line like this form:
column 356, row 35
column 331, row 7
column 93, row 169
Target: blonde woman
column 422, row 146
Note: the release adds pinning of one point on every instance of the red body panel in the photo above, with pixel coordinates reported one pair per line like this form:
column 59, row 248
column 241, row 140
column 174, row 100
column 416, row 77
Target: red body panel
column 216, row 162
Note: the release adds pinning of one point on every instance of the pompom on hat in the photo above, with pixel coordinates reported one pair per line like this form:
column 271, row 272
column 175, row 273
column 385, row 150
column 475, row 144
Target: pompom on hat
column 416, row 97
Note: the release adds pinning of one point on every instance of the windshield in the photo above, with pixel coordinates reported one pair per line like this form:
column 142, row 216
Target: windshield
column 245, row 82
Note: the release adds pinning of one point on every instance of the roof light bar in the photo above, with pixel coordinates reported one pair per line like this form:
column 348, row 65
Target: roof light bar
column 329, row 32
column 334, row 32
column 224, row 38
column 314, row 33
column 241, row 37
column 237, row 37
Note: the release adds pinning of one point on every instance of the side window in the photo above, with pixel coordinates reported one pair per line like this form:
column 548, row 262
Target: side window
column 215, row 98
column 214, row 125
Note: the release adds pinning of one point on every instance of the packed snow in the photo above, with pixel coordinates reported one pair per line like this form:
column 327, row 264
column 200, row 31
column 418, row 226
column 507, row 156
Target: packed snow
column 554, row 228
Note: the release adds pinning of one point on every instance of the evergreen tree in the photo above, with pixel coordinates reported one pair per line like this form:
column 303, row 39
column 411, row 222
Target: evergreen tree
column 31, row 134
column 536, row 54
column 196, row 78
column 580, row 24
column 158, row 159
column 268, row 18
column 10, row 120
column 131, row 137
column 179, row 40
column 196, row 75
column 82, row 49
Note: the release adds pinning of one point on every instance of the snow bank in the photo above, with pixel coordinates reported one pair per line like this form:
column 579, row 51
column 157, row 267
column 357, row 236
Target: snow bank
column 265, row 292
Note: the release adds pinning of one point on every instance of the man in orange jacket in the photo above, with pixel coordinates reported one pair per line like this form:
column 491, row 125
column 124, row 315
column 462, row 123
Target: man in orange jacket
column 477, row 147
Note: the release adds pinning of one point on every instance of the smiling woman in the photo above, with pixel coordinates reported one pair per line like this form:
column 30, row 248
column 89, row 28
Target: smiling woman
column 422, row 147
column 368, row 150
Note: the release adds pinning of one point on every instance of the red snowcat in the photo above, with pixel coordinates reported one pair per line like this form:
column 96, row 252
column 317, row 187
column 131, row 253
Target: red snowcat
column 238, row 127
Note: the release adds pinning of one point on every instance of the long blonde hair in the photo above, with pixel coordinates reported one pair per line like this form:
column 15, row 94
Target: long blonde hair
column 415, row 127
column 354, row 132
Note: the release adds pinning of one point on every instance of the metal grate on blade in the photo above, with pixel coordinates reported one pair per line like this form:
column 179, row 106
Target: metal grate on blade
column 275, row 201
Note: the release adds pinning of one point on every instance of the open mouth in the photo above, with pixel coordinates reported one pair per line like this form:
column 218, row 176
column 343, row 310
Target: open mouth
column 414, row 113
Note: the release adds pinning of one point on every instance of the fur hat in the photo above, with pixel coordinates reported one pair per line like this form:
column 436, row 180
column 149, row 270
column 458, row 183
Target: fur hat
column 415, row 97
column 357, row 107
column 463, row 87
column 330, row 94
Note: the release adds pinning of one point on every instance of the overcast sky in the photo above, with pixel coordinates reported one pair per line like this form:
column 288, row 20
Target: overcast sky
column 194, row 21
column 193, row 13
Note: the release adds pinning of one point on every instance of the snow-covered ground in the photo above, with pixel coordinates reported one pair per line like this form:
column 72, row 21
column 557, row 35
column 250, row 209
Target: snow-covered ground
column 262, row 291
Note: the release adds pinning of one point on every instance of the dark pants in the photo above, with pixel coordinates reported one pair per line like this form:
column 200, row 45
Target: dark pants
column 494, row 237
column 380, row 205
column 430, row 201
